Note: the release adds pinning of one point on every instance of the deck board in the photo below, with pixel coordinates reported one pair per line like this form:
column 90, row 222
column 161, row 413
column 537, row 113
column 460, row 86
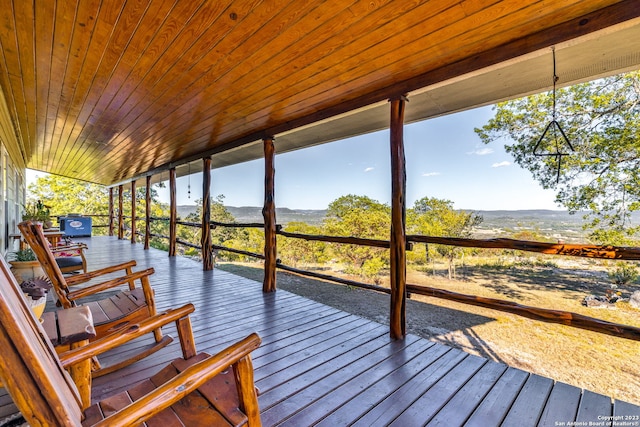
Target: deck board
column 321, row 366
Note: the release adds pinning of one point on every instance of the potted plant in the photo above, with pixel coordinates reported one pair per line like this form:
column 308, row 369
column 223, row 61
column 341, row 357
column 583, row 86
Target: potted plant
column 25, row 265
column 37, row 212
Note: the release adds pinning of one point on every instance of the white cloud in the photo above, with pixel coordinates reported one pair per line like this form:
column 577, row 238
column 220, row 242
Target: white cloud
column 501, row 164
column 481, row 151
column 369, row 169
column 431, row 174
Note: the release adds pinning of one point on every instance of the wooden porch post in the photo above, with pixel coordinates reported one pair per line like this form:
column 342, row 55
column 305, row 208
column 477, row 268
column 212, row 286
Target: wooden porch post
column 173, row 212
column 111, row 211
column 205, row 241
column 269, row 215
column 133, row 211
column 398, row 214
column 147, row 213
column 120, row 213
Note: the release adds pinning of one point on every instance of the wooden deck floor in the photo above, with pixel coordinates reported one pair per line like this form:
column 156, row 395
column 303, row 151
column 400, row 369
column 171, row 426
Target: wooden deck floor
column 321, row 366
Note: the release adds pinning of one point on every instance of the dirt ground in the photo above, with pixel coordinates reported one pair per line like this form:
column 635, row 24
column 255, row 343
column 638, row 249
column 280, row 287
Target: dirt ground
column 597, row 362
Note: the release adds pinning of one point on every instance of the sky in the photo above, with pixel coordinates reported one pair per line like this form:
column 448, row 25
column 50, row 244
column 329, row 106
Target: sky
column 444, row 159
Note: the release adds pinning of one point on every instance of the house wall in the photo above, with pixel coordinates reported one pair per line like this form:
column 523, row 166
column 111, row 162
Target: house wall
column 12, row 180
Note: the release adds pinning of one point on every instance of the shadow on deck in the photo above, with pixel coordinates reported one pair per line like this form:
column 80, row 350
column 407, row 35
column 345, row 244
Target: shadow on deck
column 320, row 365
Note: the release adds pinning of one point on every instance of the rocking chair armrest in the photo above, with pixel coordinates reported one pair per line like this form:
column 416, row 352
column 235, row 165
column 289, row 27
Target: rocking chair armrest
column 68, row 248
column 108, row 342
column 85, row 277
column 119, row 281
column 184, row 383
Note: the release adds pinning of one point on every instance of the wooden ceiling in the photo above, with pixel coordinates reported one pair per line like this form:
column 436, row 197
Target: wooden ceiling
column 110, row 90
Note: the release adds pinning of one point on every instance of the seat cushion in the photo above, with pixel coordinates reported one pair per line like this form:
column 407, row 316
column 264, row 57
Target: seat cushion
column 69, row 261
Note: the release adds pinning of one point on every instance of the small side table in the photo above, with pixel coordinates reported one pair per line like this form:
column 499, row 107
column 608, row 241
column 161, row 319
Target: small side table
column 68, row 329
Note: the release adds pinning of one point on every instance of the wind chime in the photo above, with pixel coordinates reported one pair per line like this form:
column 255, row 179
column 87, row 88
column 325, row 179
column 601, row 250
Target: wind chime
column 189, row 181
column 557, row 136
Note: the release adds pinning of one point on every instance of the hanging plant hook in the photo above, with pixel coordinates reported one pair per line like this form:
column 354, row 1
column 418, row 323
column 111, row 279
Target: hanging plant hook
column 555, row 128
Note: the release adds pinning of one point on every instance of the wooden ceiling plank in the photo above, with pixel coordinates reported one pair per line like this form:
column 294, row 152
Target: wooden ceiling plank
column 139, row 40
column 164, row 35
column 62, row 30
column 44, row 23
column 359, row 68
column 23, row 27
column 143, row 34
column 10, row 83
column 192, row 31
column 292, row 35
column 232, row 41
column 422, row 50
column 267, row 49
column 579, row 25
column 205, row 96
column 194, row 141
column 171, row 86
column 77, row 114
column 125, row 25
column 275, row 75
column 69, row 106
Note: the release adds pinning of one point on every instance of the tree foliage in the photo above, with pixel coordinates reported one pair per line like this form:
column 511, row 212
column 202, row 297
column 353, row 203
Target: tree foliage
column 66, row 195
column 220, row 236
column 602, row 122
column 359, row 216
column 437, row 217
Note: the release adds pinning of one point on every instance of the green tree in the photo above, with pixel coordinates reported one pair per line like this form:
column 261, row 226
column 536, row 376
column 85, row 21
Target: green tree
column 65, row 195
column 219, row 235
column 359, row 216
column 437, row 217
column 601, row 119
column 296, row 251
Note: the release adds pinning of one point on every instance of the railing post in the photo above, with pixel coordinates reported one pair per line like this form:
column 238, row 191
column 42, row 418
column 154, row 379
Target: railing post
column 147, row 214
column 269, row 215
column 173, row 212
column 120, row 213
column 133, row 211
column 398, row 216
column 111, row 219
column 205, row 240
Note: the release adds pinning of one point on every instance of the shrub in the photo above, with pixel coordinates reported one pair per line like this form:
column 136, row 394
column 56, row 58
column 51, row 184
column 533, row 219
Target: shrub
column 623, row 273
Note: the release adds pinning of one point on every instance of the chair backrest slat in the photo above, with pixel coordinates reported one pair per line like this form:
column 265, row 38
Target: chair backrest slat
column 29, row 368
column 36, row 239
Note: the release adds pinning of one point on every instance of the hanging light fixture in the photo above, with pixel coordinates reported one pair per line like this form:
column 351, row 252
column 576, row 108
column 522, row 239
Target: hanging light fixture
column 556, row 134
column 189, row 181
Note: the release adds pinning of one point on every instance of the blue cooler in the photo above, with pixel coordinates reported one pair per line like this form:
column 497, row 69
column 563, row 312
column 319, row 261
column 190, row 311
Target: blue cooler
column 75, row 225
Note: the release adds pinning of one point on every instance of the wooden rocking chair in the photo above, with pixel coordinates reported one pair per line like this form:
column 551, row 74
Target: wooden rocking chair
column 196, row 390
column 70, row 258
column 109, row 313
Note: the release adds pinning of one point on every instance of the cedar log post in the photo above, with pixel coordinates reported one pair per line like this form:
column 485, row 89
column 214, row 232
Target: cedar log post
column 269, row 215
column 205, row 240
column 111, row 211
column 133, row 211
column 173, row 212
column 147, row 213
column 120, row 213
column 398, row 213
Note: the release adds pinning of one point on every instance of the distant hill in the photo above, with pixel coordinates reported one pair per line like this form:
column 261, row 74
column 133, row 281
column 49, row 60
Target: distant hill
column 552, row 224
column 254, row 214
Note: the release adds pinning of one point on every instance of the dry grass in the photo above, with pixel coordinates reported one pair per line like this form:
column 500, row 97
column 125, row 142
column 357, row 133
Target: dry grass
column 598, row 362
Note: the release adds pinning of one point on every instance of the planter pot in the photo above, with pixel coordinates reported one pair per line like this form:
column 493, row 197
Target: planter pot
column 25, row 270
column 36, row 305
